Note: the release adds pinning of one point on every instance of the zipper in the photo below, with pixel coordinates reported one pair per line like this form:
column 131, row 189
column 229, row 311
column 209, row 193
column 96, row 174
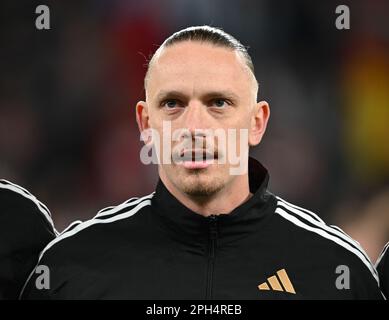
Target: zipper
column 211, row 254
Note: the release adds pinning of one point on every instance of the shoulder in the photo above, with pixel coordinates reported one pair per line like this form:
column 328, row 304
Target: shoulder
column 327, row 243
column 20, row 207
column 25, row 228
column 81, row 243
column 84, row 232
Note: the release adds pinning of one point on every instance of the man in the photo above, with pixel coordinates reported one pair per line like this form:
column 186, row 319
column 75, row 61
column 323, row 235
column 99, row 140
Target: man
column 211, row 230
column 382, row 265
column 26, row 228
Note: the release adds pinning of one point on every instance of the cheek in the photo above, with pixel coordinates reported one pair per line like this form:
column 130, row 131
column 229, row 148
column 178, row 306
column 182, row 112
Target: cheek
column 239, row 118
column 238, row 125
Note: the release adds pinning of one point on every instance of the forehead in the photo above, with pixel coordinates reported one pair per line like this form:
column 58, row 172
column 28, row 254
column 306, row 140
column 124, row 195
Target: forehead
column 192, row 65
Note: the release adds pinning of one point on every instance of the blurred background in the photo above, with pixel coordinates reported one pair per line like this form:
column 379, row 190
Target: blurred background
column 68, row 95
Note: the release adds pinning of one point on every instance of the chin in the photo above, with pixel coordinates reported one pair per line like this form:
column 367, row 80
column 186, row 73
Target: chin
column 199, row 185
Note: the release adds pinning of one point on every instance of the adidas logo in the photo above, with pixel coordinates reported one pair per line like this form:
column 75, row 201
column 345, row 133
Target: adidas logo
column 278, row 282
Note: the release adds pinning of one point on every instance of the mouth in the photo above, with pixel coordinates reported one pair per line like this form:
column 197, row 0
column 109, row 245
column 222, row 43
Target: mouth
column 195, row 158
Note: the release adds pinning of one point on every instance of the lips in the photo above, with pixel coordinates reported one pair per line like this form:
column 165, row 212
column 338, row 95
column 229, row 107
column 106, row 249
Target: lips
column 197, row 155
column 195, row 158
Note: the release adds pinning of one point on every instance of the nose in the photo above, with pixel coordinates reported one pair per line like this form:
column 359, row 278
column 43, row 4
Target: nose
column 195, row 117
column 198, row 123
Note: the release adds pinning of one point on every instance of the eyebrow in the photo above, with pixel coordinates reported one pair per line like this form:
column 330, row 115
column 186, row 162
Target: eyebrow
column 170, row 94
column 209, row 95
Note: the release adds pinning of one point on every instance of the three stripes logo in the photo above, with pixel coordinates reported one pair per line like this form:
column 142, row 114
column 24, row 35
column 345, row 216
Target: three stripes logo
column 278, row 282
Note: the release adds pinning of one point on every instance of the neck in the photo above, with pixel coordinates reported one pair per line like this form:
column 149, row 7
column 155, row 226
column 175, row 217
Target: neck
column 233, row 194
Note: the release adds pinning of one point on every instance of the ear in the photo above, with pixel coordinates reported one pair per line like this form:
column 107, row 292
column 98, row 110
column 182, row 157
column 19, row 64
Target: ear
column 143, row 120
column 259, row 119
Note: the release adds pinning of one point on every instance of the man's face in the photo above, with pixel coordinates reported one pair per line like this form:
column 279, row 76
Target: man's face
column 200, row 88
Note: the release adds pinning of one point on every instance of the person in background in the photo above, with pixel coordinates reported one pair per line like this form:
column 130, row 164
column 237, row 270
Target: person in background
column 26, row 227
column 382, row 266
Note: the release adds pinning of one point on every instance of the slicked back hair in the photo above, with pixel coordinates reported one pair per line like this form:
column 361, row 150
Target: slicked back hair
column 207, row 34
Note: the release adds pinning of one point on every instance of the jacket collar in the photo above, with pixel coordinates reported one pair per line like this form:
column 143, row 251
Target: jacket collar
column 182, row 221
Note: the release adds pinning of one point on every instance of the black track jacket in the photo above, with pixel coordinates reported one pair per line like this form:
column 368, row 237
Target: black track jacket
column 26, row 228
column 383, row 269
column 154, row 247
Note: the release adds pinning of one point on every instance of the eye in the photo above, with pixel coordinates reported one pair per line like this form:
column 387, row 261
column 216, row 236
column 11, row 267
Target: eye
column 170, row 104
column 219, row 103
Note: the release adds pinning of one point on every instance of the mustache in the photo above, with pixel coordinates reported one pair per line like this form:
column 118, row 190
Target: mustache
column 195, row 155
column 196, row 148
